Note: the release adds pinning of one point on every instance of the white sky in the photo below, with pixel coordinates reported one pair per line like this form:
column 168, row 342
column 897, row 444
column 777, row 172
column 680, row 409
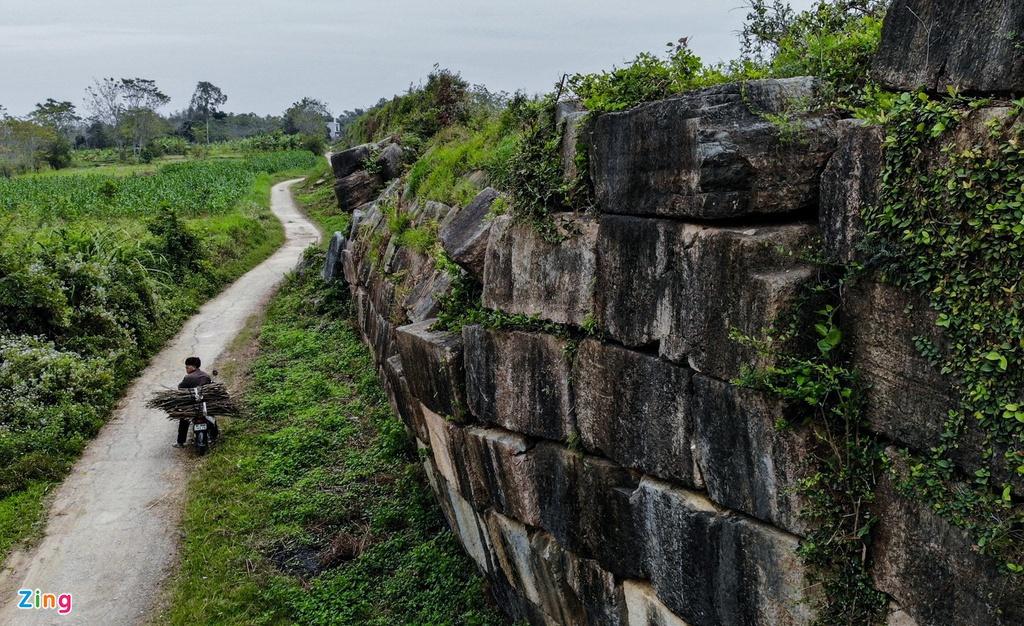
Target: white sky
column 266, row 54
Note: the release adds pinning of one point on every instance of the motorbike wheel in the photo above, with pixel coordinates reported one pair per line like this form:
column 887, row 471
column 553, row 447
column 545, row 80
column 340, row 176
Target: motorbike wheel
column 202, row 444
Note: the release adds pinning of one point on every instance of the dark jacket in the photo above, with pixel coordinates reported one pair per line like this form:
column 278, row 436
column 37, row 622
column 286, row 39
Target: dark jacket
column 197, row 378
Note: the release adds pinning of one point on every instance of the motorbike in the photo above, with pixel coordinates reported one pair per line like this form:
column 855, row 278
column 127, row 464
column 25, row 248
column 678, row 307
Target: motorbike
column 204, row 425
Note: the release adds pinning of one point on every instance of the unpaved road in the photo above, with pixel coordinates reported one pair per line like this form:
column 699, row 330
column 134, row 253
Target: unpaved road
column 113, row 526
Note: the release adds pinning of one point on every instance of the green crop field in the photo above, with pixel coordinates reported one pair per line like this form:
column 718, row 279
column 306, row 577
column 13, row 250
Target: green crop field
column 97, row 271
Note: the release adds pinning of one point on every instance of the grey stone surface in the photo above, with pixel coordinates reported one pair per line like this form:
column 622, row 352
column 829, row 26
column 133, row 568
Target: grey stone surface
column 390, row 160
column 685, row 289
column 849, row 185
column 713, row 568
column 333, row 261
column 974, row 45
column 464, row 233
column 906, row 398
column 572, row 117
column 406, row 407
column 713, row 154
column 525, row 274
column 747, row 463
column 519, row 381
column 356, row 189
column 643, row 608
column 932, row 569
column 346, row 162
column 432, row 361
column 634, row 408
column 569, row 590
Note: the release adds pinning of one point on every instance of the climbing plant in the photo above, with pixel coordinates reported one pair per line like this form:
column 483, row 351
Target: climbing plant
column 950, row 225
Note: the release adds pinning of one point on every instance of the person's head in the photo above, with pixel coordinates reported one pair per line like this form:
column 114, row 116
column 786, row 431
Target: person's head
column 192, row 363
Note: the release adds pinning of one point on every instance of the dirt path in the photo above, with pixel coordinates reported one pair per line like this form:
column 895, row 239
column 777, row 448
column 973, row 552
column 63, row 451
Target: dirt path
column 113, row 526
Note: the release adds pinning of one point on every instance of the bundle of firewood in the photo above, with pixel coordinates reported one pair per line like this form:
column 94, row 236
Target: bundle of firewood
column 183, row 403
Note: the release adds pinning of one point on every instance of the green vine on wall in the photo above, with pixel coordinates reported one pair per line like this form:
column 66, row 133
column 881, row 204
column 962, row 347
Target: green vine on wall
column 950, row 224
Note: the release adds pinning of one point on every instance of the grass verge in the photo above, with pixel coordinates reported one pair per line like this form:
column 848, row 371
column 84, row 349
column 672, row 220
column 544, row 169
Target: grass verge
column 314, row 510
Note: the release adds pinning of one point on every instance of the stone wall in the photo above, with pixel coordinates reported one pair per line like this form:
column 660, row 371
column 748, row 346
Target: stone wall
column 623, row 478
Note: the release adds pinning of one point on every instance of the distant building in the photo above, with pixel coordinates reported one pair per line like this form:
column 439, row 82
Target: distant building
column 333, row 129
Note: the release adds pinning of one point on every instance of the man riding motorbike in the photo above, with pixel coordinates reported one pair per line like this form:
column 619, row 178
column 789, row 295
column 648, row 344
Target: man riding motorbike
column 194, row 377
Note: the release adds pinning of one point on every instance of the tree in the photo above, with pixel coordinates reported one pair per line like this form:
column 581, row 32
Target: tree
column 60, row 116
column 308, row 116
column 128, row 106
column 206, row 100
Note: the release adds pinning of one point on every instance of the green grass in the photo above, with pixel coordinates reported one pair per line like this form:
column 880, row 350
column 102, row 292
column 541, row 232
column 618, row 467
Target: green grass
column 316, row 197
column 314, row 510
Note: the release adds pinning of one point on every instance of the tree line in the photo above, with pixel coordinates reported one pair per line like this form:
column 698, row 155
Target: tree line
column 124, row 114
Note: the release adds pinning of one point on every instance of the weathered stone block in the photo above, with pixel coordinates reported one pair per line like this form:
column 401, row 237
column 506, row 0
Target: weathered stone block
column 357, row 189
column 423, row 299
column 640, row 264
column 933, row 569
column 906, row 398
column 572, row 117
column 346, row 162
column 714, row 568
column 520, row 381
column 332, row 262
column 432, row 361
column 974, row 45
column 685, row 289
column 567, row 589
column 464, row 233
column 500, row 473
column 390, row 160
column 444, row 438
column 634, row 408
column 467, row 525
column 713, row 154
column 643, row 608
column 404, row 404
column 747, row 463
column 526, row 274
column 850, row 184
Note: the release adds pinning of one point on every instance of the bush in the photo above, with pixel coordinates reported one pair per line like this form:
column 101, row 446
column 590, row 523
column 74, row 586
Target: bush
column 175, row 241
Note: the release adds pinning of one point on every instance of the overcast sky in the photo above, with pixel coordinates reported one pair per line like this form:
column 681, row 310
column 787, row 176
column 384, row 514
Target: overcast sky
column 265, row 54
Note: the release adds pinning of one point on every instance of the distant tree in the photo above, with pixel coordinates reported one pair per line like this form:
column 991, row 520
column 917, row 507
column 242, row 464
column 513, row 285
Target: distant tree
column 206, row 101
column 308, row 116
column 25, row 145
column 128, row 106
column 58, row 115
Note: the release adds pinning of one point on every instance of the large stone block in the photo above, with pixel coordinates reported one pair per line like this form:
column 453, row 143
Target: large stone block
column 713, row 568
column 974, row 45
column 634, row 408
column 519, row 381
column 357, row 189
column 907, row 399
column 643, row 608
column 346, row 162
column 714, row 154
column 933, row 569
column 464, row 233
column 747, row 463
column 500, row 473
column 333, row 262
column 526, row 273
column 432, row 361
column 406, row 406
column 572, row 118
column 849, row 185
column 686, row 289
column 567, row 589
column 423, row 299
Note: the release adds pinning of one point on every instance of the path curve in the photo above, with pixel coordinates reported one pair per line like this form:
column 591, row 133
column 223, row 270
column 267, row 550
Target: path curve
column 113, row 526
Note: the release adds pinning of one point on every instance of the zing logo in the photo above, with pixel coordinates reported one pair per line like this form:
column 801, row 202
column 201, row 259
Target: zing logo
column 34, row 599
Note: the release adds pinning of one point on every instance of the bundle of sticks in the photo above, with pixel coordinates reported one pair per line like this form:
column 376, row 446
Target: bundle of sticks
column 182, row 403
